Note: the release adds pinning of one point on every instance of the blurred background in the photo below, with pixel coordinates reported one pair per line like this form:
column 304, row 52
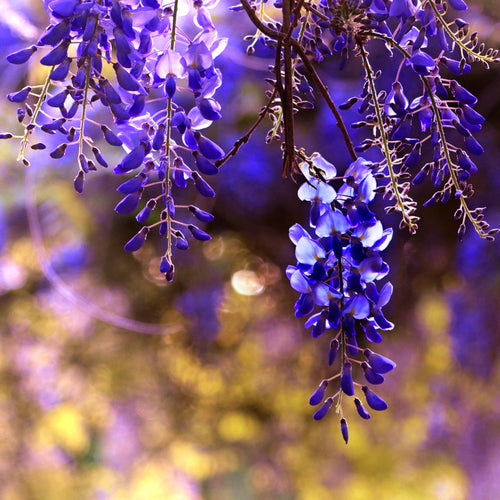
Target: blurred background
column 116, row 385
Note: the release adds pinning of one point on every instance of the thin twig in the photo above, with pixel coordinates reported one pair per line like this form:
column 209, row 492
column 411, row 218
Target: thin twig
column 244, row 139
column 279, row 36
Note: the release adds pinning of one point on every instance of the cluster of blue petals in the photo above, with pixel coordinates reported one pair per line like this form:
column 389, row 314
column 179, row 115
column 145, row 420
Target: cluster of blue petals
column 138, row 43
column 338, row 267
column 428, row 117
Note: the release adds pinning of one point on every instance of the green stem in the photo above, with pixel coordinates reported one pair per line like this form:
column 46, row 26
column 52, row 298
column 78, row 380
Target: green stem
column 38, row 107
column 168, row 119
column 343, row 346
column 84, row 108
column 463, row 201
column 407, row 219
column 451, row 165
column 463, row 46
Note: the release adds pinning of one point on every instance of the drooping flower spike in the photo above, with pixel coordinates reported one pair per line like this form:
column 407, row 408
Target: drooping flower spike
column 138, row 44
column 338, row 265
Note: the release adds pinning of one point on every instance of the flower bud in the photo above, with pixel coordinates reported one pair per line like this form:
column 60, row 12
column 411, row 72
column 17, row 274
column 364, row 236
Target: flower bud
column 346, row 382
column 318, row 395
column 344, row 430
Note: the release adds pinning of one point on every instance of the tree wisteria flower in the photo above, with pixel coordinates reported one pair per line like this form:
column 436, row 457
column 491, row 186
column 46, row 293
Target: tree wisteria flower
column 338, row 265
column 140, row 44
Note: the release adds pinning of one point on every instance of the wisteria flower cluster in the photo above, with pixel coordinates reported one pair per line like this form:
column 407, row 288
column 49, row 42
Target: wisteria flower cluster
column 338, row 265
column 127, row 72
column 154, row 68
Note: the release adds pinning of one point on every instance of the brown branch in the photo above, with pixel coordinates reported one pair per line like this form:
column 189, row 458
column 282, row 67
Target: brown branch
column 245, row 138
column 289, row 162
column 280, row 36
column 326, row 96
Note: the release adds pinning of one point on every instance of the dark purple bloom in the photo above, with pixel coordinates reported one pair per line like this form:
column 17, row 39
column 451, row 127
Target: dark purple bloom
column 456, row 67
column 59, row 151
column 465, row 162
column 111, row 137
column 441, row 91
column 189, row 139
column 61, row 72
column 125, row 79
column 209, row 109
column 54, row 125
column 208, row 148
column 21, row 56
column 332, row 352
column 58, row 100
column 129, row 203
column 361, row 409
column 202, row 186
column 379, row 363
column 111, row 94
column 99, row 158
column 120, row 112
column 201, row 214
column 63, row 8
column 170, row 205
column 137, row 241
column 83, row 163
column 414, row 157
column 133, row 184
column 132, row 160
column 472, row 116
column 137, row 106
column 165, row 265
column 170, row 86
column 346, row 382
column 19, row 96
column 319, row 327
column 71, row 111
column 56, row 55
column 374, row 401
column 343, row 429
column 78, row 182
column 159, row 138
column 55, row 34
column 370, row 375
column 169, row 275
column 371, row 334
column 144, row 214
column 473, row 146
column 198, row 233
column 318, row 395
column 458, row 4
column 462, row 94
column 181, row 243
column 318, row 415
column 205, row 166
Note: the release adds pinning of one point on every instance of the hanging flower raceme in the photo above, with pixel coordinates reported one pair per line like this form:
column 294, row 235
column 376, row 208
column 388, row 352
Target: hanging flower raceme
column 137, row 44
column 338, row 267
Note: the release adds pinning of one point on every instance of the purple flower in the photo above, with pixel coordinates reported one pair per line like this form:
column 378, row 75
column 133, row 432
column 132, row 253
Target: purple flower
column 343, row 430
column 137, row 241
column 129, row 203
column 374, row 401
column 324, row 409
column 361, row 409
column 318, row 394
column 21, row 56
column 346, row 382
column 379, row 363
